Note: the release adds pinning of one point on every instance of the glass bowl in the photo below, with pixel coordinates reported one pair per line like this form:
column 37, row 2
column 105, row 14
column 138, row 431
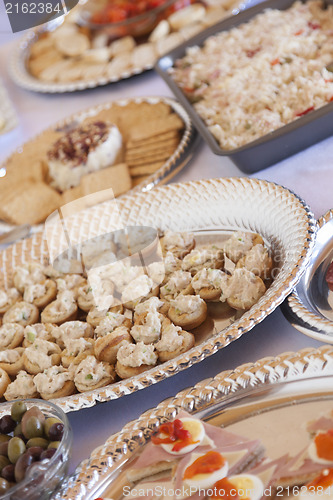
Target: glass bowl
column 135, row 26
column 44, row 477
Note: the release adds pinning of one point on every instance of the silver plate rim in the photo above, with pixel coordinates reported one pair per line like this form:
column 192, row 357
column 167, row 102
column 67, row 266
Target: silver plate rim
column 266, row 372
column 305, row 321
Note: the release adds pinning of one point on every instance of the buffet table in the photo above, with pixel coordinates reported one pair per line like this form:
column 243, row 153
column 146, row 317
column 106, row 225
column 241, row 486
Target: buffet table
column 309, row 174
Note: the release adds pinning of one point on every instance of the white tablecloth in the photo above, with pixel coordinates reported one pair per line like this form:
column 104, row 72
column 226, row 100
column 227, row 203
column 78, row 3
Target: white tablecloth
column 309, row 174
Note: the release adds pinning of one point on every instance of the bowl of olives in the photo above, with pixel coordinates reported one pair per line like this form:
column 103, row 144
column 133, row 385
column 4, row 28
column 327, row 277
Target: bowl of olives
column 35, row 445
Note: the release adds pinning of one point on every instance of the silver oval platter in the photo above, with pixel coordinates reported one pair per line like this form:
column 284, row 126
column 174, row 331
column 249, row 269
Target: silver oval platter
column 310, row 307
column 212, row 209
column 273, row 397
column 96, row 74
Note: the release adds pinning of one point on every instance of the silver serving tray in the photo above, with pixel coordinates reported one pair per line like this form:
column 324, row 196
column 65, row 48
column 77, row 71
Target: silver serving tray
column 177, row 161
column 271, row 397
column 22, row 77
column 213, row 207
column 310, row 307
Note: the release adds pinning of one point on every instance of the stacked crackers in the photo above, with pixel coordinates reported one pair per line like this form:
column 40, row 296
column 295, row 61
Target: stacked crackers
column 151, row 133
column 151, row 145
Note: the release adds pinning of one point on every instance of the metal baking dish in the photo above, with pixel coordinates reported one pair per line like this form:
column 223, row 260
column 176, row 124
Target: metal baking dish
column 272, row 147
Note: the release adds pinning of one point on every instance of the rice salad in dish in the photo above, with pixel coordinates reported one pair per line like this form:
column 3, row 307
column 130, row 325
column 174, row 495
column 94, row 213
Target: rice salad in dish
column 261, row 75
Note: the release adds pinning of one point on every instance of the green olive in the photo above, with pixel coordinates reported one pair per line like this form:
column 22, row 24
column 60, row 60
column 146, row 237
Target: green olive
column 329, row 67
column 54, row 444
column 37, row 441
column 4, row 485
column 18, row 430
column 33, row 428
column 49, row 422
column 18, row 410
column 34, row 411
column 16, row 448
column 3, row 462
column 4, row 438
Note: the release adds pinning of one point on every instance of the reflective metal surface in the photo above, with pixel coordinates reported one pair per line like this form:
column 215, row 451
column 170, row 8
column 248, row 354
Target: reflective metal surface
column 259, row 400
column 215, row 205
column 310, row 307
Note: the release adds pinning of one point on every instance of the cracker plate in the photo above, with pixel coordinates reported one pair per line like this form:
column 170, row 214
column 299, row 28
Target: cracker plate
column 168, row 167
column 210, row 208
column 7, row 112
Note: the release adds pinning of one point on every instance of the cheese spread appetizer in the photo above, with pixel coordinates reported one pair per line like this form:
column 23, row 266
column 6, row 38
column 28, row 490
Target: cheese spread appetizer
column 70, row 282
column 151, row 305
column 92, row 374
column 40, row 294
column 121, row 273
column 107, row 346
column 8, row 298
column 72, row 330
column 133, row 359
column 205, row 257
column 22, row 387
column 149, row 331
column 173, row 341
column 11, row 360
column 22, row 313
column 258, row 261
column 140, row 288
column 178, row 282
column 98, row 251
column 110, row 322
column 41, row 331
column 95, row 293
column 41, row 355
column 64, row 308
column 11, row 336
column 209, row 283
column 156, row 271
column 54, row 382
column 244, row 289
column 239, row 243
column 76, row 350
column 28, row 274
column 85, row 149
column 97, row 314
column 179, row 244
column 4, row 382
column 188, row 311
